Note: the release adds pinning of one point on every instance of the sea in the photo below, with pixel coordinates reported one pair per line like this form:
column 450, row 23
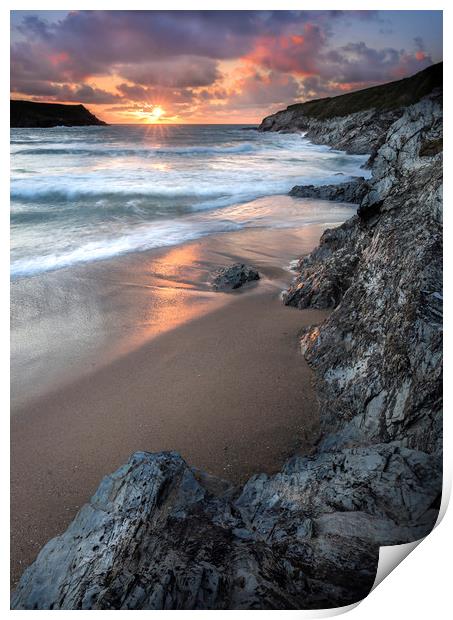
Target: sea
column 82, row 194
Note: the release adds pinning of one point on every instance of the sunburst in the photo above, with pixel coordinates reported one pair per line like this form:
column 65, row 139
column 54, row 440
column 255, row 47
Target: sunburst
column 155, row 115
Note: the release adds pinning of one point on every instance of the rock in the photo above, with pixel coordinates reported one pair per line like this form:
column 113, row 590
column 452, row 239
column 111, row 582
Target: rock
column 37, row 114
column 351, row 191
column 329, row 271
column 378, row 357
column 402, row 157
column 154, row 536
column 233, row 276
column 356, row 122
column 358, row 133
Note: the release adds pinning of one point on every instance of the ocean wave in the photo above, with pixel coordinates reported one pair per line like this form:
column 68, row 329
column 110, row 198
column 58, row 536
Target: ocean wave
column 160, row 235
column 78, row 195
column 49, row 194
column 141, row 152
column 73, row 197
column 58, row 189
column 260, row 213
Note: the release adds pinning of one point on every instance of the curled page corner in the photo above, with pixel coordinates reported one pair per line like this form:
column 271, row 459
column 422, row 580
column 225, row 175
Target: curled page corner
column 392, row 555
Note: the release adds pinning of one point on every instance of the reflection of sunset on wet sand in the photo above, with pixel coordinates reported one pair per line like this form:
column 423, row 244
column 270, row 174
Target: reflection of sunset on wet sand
column 155, row 360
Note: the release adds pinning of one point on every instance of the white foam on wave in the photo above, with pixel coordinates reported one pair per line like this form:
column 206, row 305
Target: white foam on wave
column 260, row 213
column 162, row 234
column 229, row 187
column 79, row 208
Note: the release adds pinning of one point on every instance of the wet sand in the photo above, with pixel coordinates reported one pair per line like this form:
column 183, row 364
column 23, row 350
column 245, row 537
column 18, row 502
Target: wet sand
column 217, row 377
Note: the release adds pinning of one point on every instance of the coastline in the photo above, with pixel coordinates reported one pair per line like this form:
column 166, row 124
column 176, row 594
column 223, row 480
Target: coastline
column 83, row 317
column 373, row 479
column 195, row 379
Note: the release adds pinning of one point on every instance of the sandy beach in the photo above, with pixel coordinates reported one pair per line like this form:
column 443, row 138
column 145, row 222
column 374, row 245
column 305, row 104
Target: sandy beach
column 210, row 375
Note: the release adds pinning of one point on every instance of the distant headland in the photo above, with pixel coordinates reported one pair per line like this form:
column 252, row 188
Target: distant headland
column 34, row 114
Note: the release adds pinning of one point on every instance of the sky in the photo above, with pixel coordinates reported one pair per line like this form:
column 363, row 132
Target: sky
column 212, row 66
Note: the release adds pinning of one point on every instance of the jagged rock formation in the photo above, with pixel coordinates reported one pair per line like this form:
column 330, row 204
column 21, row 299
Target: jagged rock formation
column 351, row 191
column 159, row 535
column 378, row 357
column 356, row 122
column 233, row 276
column 35, row 114
column 360, row 133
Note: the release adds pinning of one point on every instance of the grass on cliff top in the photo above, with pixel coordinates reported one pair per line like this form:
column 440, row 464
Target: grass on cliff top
column 384, row 97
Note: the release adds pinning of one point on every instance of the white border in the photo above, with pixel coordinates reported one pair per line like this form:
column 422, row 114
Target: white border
column 420, row 586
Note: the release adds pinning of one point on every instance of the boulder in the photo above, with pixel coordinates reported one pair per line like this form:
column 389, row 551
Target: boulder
column 233, row 276
column 350, row 191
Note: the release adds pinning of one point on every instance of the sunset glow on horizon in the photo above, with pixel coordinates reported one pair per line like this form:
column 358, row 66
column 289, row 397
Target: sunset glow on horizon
column 157, row 67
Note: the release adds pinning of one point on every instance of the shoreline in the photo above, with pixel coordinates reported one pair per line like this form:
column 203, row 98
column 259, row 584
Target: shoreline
column 83, row 317
column 197, row 383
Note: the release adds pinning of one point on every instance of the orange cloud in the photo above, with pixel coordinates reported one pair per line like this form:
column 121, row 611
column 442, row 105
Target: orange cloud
column 293, row 53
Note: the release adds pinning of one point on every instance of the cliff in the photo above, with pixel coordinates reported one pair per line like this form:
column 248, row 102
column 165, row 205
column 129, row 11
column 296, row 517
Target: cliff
column 356, row 122
column 33, row 114
column 159, row 535
column 378, row 357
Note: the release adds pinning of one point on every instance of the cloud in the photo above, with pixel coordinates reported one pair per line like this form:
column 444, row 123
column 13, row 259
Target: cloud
column 315, row 87
column 263, row 89
column 356, row 63
column 85, row 93
column 80, row 93
column 96, row 41
column 157, row 95
column 201, row 62
column 178, row 72
column 295, row 53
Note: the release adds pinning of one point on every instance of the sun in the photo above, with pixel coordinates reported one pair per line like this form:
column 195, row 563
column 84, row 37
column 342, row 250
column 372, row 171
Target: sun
column 151, row 115
column 156, row 113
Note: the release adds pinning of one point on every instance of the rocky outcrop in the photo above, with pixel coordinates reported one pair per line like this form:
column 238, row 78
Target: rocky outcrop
column 328, row 272
column 160, row 535
column 359, row 133
column 352, row 191
column 378, row 358
column 36, row 114
column 233, row 277
column 356, row 122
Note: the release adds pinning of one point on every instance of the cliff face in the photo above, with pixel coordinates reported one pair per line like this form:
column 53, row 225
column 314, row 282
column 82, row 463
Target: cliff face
column 378, row 357
column 360, row 133
column 33, row 114
column 159, row 535
column 356, row 122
